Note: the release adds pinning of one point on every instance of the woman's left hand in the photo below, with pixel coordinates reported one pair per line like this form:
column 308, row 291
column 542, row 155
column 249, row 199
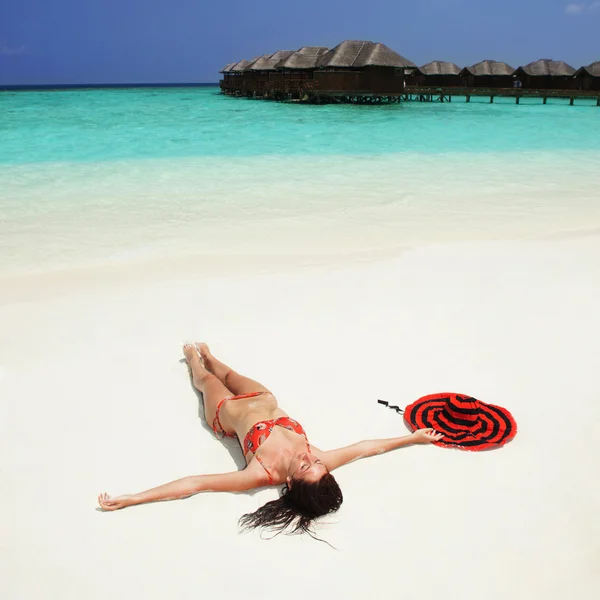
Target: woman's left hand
column 108, row 503
column 426, row 436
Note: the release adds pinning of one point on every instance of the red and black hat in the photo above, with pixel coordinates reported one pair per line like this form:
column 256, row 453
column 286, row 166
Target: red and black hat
column 465, row 422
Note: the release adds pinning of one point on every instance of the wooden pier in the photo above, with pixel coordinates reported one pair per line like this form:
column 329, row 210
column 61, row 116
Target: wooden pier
column 437, row 94
column 305, row 93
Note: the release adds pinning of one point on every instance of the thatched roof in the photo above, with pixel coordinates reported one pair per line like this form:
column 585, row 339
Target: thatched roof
column 593, row 70
column 545, row 66
column 267, row 62
column 227, row 68
column 312, row 50
column 358, row 54
column 488, row 67
column 257, row 61
column 240, row 66
column 438, row 67
column 305, row 58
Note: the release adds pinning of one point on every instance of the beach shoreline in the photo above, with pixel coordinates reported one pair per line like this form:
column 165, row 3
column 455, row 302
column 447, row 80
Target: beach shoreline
column 282, row 210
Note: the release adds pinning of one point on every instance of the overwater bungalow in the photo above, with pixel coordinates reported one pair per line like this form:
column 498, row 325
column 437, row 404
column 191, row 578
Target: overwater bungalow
column 227, row 82
column 488, row 74
column 261, row 71
column 296, row 73
column 226, row 72
column 588, row 78
column 436, row 74
column 233, row 81
column 360, row 69
column 546, row 74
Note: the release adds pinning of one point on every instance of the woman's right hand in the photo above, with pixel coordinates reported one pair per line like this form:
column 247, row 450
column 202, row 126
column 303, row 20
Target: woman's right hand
column 426, row 436
column 108, row 503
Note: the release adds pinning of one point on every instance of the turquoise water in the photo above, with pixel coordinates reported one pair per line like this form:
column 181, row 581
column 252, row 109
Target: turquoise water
column 98, row 125
column 98, row 177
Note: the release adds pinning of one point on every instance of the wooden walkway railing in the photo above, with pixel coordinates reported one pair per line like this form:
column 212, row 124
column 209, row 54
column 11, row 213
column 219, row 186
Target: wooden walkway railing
column 438, row 94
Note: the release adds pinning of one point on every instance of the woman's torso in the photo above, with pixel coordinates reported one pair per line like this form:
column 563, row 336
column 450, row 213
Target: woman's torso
column 241, row 415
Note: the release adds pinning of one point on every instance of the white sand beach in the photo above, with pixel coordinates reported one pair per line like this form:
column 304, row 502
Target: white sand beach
column 94, row 398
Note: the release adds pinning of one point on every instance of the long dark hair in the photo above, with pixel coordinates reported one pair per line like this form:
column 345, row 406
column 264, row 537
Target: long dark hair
column 297, row 507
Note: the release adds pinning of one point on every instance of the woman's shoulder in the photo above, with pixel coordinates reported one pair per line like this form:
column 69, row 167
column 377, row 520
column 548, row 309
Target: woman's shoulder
column 255, row 470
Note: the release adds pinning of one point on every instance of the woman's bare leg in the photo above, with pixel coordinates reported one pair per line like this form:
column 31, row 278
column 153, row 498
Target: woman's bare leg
column 212, row 389
column 238, row 384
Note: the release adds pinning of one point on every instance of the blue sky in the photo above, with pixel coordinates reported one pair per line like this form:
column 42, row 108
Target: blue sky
column 170, row 41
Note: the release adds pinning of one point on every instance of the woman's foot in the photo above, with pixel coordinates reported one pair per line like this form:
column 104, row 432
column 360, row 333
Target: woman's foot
column 195, row 364
column 190, row 352
column 205, row 356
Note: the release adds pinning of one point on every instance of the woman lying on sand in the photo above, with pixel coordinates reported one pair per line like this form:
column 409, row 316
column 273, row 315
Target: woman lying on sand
column 276, row 448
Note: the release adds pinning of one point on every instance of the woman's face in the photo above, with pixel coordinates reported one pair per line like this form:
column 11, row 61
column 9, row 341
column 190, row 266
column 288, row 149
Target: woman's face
column 306, row 467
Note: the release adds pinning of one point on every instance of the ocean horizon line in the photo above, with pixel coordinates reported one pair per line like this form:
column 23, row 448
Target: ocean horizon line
column 85, row 86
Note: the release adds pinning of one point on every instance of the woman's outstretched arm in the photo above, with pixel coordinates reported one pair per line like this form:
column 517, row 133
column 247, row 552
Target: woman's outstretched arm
column 237, row 481
column 342, row 456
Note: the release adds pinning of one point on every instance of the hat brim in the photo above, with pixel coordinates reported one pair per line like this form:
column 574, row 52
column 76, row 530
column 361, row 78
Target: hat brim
column 495, row 425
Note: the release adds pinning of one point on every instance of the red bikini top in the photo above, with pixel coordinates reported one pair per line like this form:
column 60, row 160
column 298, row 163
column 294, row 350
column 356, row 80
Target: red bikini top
column 259, row 432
